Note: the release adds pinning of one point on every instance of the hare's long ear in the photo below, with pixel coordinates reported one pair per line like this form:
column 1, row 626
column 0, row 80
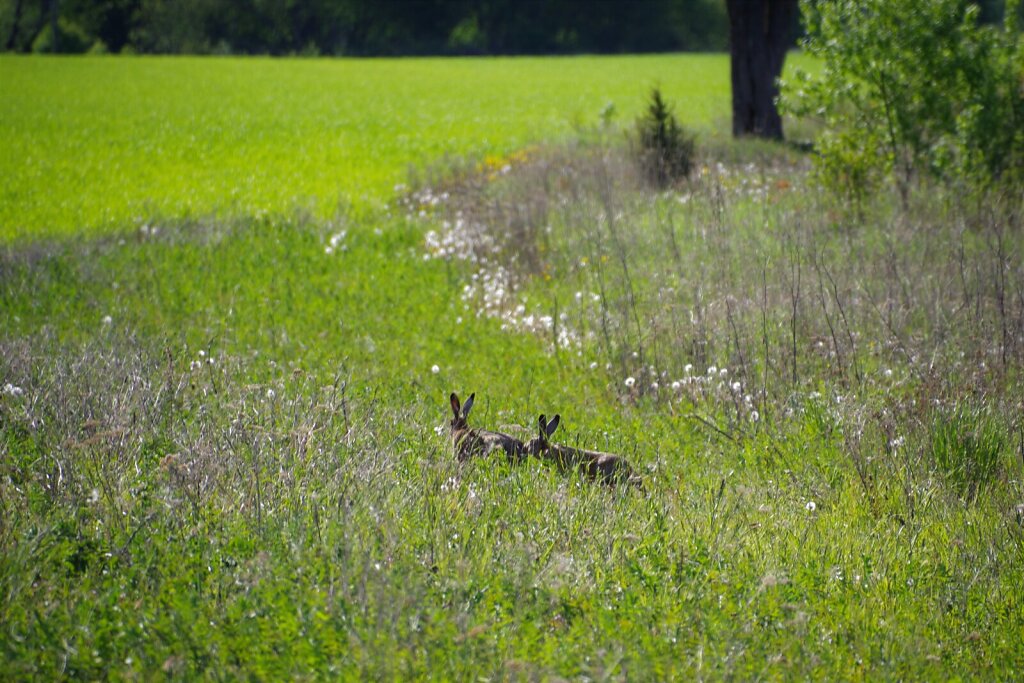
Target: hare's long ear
column 543, row 420
column 553, row 425
column 456, row 406
column 469, row 405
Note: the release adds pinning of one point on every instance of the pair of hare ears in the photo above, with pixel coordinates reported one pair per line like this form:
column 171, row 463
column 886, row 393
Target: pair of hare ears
column 459, row 409
column 548, row 428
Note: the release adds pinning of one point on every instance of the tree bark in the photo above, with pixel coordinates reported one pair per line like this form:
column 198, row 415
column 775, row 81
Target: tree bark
column 54, row 27
column 12, row 39
column 760, row 31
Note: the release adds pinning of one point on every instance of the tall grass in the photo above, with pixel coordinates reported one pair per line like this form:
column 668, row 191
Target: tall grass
column 223, row 449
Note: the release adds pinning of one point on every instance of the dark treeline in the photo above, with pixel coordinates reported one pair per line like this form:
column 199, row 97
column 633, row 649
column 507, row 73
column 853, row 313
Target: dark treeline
column 363, row 27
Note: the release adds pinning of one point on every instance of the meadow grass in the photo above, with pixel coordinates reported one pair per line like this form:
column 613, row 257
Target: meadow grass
column 95, row 143
column 223, row 446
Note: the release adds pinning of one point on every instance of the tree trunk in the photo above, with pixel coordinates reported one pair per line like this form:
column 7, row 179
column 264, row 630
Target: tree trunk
column 12, row 39
column 54, row 27
column 760, row 31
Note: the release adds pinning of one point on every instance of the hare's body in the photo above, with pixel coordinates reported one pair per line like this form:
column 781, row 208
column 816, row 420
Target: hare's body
column 468, row 442
column 607, row 468
column 473, row 442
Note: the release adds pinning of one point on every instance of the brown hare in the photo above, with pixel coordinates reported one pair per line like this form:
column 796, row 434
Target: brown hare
column 604, row 467
column 469, row 442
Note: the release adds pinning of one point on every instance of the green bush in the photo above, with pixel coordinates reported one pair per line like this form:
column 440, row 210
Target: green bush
column 965, row 447
column 909, row 89
column 665, row 149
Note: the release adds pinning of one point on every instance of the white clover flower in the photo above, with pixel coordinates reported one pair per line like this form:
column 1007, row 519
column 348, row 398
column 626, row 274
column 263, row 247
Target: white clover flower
column 654, row 386
column 271, row 394
column 888, row 372
column 688, row 368
column 337, row 238
column 12, row 390
column 811, row 506
column 736, row 386
column 435, row 369
column 593, row 366
column 754, row 416
column 630, row 381
column 107, row 320
column 195, row 365
column 675, row 385
column 724, row 372
column 94, row 496
column 439, row 429
column 712, row 371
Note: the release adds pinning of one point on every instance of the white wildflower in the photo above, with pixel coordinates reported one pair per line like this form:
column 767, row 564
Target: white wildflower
column 593, row 366
column 712, row 371
column 630, row 381
column 736, row 386
column 724, row 372
column 107, row 320
column 688, row 368
column 271, row 394
column 675, row 385
column 12, row 390
column 754, row 416
column 811, row 506
column 435, row 369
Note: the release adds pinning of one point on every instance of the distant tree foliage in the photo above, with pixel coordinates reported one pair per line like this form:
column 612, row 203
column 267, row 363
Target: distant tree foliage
column 907, row 89
column 364, row 27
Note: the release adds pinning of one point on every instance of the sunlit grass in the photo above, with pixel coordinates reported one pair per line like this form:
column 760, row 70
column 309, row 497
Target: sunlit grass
column 95, row 143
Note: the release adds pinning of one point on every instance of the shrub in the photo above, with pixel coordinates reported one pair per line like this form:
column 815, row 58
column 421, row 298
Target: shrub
column 907, row 89
column 665, row 149
column 965, row 447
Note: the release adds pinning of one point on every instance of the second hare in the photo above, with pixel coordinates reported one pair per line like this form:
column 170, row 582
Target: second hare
column 604, row 467
column 469, row 442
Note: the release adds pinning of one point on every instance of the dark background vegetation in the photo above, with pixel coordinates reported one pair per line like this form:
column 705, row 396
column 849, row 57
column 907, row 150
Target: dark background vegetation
column 366, row 27
column 371, row 27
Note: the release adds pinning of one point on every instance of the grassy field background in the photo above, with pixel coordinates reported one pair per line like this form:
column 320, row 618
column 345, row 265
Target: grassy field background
column 223, row 400
column 96, row 143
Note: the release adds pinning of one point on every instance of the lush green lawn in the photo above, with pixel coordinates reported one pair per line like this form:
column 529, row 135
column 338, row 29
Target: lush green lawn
column 98, row 143
column 222, row 417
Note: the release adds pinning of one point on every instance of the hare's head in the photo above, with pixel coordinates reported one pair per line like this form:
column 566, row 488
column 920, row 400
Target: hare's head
column 539, row 444
column 460, row 412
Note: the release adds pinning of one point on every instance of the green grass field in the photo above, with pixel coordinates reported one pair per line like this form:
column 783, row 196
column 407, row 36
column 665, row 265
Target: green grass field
column 98, row 143
column 228, row 343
